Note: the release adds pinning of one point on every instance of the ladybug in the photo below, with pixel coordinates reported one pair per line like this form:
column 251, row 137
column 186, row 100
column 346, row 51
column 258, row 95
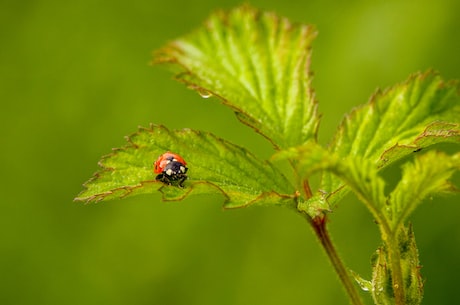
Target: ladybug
column 170, row 167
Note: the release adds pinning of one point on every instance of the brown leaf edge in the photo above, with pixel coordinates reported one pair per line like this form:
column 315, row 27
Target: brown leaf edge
column 434, row 133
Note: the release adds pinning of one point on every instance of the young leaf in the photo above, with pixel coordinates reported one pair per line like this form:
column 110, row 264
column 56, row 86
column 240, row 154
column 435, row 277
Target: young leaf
column 420, row 112
column 214, row 166
column 426, row 176
column 258, row 64
column 308, row 159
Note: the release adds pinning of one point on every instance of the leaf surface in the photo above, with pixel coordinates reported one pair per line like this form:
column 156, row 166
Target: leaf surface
column 426, row 176
column 215, row 166
column 404, row 119
column 258, row 64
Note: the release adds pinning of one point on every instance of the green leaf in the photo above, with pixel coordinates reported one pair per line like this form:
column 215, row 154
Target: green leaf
column 420, row 112
column 258, row 64
column 426, row 176
column 215, row 166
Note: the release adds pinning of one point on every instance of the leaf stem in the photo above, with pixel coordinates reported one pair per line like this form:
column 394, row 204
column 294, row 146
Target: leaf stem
column 307, row 189
column 319, row 226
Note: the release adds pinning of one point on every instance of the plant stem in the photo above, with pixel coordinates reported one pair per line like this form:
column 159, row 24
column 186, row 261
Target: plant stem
column 397, row 277
column 319, row 226
column 390, row 238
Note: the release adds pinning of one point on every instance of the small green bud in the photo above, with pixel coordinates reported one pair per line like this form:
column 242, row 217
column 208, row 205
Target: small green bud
column 382, row 281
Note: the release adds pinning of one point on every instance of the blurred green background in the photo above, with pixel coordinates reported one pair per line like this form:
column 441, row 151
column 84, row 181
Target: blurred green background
column 75, row 79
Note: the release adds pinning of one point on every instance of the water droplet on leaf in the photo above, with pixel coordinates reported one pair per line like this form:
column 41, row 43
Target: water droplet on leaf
column 204, row 93
column 365, row 285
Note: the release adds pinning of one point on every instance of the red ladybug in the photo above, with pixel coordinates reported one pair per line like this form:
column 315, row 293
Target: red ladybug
column 170, row 167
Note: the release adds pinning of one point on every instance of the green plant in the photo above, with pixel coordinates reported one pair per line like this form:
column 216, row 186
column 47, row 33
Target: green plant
column 257, row 64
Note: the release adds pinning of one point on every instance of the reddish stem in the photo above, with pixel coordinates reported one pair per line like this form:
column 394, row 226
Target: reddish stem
column 319, row 226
